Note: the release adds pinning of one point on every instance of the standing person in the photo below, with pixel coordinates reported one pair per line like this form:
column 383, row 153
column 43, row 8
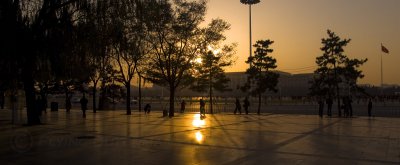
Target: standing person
column 329, row 102
column 349, row 106
column 320, row 107
column 202, row 109
column 369, row 108
column 84, row 102
column 345, row 106
column 183, row 105
column 246, row 105
column 2, row 98
column 44, row 99
column 147, row 108
column 39, row 106
column 238, row 107
column 68, row 104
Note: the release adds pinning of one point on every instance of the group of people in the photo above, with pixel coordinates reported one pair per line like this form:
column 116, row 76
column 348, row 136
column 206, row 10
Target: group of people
column 238, row 107
column 346, row 107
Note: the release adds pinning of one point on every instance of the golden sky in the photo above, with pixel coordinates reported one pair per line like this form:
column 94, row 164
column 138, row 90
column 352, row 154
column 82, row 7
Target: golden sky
column 297, row 27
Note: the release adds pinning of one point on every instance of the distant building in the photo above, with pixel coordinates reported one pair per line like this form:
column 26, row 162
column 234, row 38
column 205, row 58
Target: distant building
column 288, row 85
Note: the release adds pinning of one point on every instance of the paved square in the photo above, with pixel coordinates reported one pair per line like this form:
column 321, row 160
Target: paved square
column 111, row 137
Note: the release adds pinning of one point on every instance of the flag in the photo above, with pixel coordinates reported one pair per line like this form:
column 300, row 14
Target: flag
column 384, row 49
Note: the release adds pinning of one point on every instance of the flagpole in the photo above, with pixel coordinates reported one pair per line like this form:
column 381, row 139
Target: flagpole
column 381, row 70
column 384, row 50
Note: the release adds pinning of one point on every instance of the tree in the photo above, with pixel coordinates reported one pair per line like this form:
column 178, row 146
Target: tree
column 209, row 71
column 335, row 68
column 35, row 31
column 260, row 78
column 175, row 42
column 129, row 46
column 96, row 33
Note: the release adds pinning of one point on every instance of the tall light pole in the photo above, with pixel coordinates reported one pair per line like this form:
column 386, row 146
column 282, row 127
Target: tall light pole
column 250, row 2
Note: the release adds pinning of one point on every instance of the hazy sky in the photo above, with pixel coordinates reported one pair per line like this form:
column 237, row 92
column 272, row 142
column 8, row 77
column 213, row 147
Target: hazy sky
column 297, row 27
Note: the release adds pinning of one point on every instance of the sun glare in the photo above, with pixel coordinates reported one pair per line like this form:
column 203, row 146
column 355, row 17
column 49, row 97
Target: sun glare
column 197, row 122
column 198, row 60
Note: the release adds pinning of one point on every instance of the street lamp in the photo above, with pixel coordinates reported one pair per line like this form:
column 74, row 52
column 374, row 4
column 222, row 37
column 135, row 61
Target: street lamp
column 250, row 2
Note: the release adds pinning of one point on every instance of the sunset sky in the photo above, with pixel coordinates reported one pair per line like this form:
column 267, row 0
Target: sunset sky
column 297, row 27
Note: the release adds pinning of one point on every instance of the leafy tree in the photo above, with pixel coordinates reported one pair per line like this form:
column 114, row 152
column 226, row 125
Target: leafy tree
column 95, row 33
column 335, row 69
column 209, row 72
column 42, row 39
column 130, row 42
column 175, row 41
column 260, row 75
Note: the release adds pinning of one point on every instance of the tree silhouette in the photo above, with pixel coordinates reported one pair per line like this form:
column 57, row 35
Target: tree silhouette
column 260, row 76
column 175, row 41
column 95, row 32
column 130, row 42
column 40, row 35
column 335, row 68
column 214, row 57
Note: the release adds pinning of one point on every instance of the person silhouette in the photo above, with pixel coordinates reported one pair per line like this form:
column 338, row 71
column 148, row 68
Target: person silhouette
column 320, row 107
column 202, row 109
column 329, row 102
column 147, row 108
column 68, row 104
column 39, row 105
column 246, row 105
column 369, row 108
column 350, row 106
column 238, row 107
column 183, row 106
column 2, row 98
column 84, row 102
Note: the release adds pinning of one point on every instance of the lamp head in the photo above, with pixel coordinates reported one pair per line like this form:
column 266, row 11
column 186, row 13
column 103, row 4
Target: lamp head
column 249, row 2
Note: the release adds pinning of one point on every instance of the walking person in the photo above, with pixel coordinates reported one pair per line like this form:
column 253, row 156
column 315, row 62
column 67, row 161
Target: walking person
column 202, row 109
column 369, row 108
column 320, row 107
column 329, row 102
column 246, row 105
column 183, row 106
column 84, row 102
column 238, row 107
column 147, row 108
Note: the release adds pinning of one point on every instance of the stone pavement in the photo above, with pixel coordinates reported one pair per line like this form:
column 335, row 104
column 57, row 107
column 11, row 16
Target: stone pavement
column 111, row 137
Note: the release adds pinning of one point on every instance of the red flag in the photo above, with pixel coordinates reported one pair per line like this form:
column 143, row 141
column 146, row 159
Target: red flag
column 384, row 49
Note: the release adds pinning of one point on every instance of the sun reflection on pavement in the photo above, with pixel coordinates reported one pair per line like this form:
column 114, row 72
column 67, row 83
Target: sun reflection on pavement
column 199, row 137
column 197, row 122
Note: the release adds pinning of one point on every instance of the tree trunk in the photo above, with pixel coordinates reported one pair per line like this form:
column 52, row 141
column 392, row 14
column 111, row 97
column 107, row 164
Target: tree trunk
column 102, row 97
column 128, row 98
column 94, row 96
column 337, row 89
column 259, row 104
column 31, row 111
column 338, row 101
column 66, row 99
column 171, row 101
column 140, row 94
column 211, row 99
